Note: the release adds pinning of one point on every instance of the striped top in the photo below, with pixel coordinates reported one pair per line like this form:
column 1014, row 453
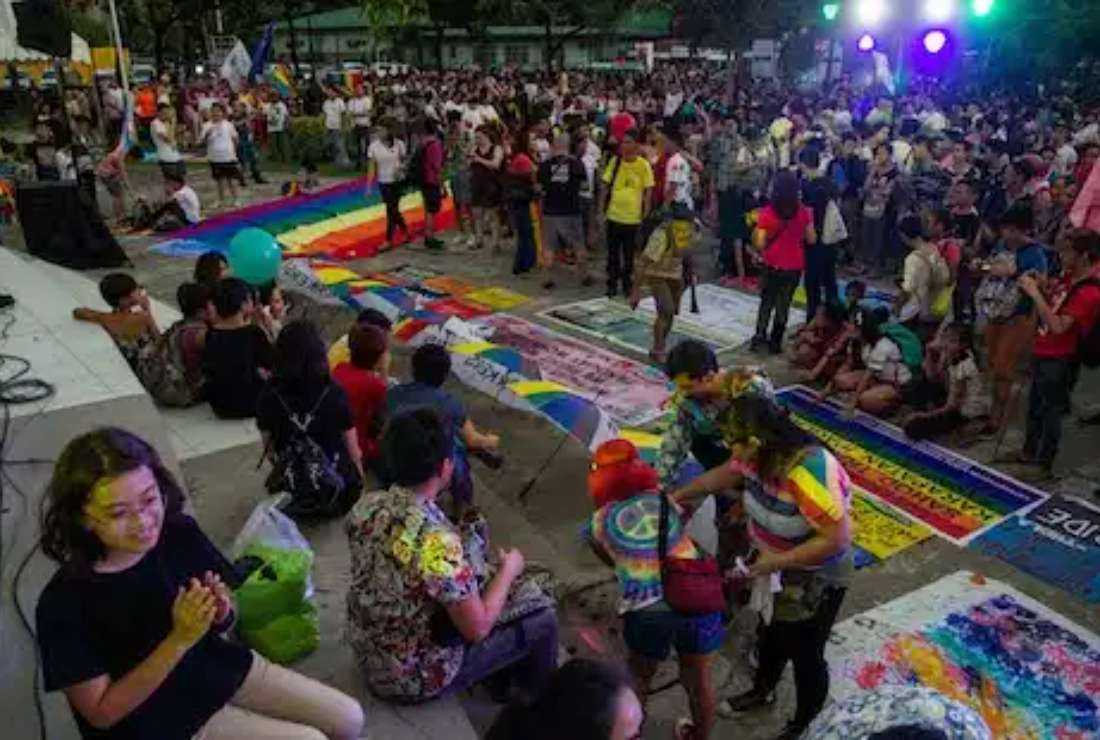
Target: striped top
column 815, row 492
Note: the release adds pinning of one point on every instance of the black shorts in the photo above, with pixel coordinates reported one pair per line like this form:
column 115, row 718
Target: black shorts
column 168, row 169
column 225, row 170
column 433, row 198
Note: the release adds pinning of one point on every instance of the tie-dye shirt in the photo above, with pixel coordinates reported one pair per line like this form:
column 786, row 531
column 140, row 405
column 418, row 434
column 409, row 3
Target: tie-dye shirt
column 815, row 492
column 627, row 531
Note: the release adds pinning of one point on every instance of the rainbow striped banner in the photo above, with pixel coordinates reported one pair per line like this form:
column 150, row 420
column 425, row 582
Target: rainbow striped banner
column 344, row 222
column 954, row 496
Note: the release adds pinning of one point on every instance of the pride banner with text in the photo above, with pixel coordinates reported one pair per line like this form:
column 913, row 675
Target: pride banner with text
column 954, row 496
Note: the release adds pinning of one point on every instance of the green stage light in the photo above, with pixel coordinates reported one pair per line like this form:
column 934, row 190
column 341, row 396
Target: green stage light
column 830, row 11
column 981, row 8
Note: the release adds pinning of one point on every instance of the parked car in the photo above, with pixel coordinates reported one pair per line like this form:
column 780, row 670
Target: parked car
column 22, row 80
column 142, row 74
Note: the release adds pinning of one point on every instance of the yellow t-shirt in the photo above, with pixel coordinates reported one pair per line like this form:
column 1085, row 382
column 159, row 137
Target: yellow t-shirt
column 339, row 352
column 625, row 206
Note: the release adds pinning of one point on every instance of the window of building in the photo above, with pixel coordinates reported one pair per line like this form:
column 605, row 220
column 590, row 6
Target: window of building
column 516, row 54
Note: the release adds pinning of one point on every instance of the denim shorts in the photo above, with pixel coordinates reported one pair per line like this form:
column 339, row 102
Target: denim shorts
column 652, row 631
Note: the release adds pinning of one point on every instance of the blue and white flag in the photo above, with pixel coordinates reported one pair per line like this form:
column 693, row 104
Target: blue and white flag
column 261, row 52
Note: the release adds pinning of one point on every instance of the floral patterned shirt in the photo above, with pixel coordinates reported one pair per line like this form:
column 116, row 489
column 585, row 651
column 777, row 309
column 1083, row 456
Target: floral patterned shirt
column 868, row 713
column 407, row 561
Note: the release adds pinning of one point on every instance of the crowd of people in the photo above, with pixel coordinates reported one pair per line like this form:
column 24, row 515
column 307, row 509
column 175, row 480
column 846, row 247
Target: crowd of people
column 955, row 221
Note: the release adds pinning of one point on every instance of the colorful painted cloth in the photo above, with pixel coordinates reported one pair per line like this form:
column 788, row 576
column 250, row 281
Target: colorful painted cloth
column 784, row 514
column 627, row 531
column 866, row 714
column 712, row 419
column 407, row 562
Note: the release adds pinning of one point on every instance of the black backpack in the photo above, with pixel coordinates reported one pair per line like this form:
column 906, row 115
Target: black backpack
column 305, row 471
column 1088, row 344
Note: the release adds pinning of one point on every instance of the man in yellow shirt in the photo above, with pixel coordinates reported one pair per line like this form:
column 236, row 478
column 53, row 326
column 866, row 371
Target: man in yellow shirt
column 629, row 180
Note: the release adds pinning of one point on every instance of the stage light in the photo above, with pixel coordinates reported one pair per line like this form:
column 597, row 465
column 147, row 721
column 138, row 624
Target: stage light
column 871, row 12
column 866, row 43
column 934, row 41
column 830, row 11
column 981, row 8
column 939, row 10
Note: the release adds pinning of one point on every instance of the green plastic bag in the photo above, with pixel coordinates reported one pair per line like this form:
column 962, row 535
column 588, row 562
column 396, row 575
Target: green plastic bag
column 275, row 613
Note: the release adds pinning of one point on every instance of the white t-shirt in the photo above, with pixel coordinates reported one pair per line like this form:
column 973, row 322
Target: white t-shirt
column 359, row 109
column 188, row 201
column 885, row 362
column 542, row 149
column 672, row 103
column 166, row 150
column 277, row 113
column 1066, row 159
column 221, row 141
column 678, row 180
column 334, row 109
column 387, row 159
column 975, row 404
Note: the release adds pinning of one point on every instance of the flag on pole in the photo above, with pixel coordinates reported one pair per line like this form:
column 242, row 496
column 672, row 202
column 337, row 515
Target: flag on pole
column 282, row 80
column 236, row 66
column 128, row 136
column 262, row 52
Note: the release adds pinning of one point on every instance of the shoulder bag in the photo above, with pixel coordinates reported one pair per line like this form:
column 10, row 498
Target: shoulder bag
column 691, row 586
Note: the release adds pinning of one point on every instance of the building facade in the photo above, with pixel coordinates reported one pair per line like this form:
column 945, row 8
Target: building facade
column 344, row 35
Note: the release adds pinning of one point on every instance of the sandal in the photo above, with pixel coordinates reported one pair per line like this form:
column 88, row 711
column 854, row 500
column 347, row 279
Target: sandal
column 685, row 729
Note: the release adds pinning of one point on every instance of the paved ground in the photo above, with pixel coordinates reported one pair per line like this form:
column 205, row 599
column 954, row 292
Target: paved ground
column 226, row 485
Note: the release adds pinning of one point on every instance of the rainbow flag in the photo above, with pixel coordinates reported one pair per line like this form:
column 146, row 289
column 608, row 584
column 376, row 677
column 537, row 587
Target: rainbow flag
column 953, row 496
column 343, row 222
column 283, row 81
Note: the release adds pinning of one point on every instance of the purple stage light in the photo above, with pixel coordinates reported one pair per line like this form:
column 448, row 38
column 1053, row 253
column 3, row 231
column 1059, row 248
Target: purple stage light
column 934, row 41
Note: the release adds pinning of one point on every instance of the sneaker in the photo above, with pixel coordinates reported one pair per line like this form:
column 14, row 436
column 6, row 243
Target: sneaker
column 433, row 243
column 548, row 285
column 611, row 292
column 587, row 281
column 749, row 701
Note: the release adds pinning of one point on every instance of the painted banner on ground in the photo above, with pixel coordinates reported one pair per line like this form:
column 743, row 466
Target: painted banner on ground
column 954, row 496
column 881, row 530
column 728, row 315
column 1057, row 541
column 345, row 221
column 297, row 276
column 633, row 394
column 614, row 322
column 1028, row 671
column 496, row 298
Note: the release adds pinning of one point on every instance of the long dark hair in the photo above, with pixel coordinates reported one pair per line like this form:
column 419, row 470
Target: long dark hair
column 300, row 361
column 88, row 459
column 778, row 436
column 786, row 195
column 579, row 703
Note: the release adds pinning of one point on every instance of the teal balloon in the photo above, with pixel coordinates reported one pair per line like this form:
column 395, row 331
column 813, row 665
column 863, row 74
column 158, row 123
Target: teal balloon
column 255, row 256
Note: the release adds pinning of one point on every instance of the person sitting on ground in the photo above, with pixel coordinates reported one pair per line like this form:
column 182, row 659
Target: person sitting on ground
column 843, row 352
column 237, row 358
column 424, row 612
column 796, row 495
column 272, row 310
column 965, row 401
column 878, row 388
column 661, row 267
column 211, row 268
column 812, row 341
column 302, row 401
column 340, row 352
column 180, row 207
column 182, row 346
column 131, row 626
column 130, row 321
column 363, row 379
column 304, row 181
column 431, row 366
column 626, row 489
column 584, row 700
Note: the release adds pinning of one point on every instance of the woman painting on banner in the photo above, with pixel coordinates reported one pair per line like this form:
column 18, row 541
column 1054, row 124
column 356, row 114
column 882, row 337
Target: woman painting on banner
column 796, row 496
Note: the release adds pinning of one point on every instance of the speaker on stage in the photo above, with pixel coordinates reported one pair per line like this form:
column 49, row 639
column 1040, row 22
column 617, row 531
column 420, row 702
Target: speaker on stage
column 59, row 226
column 45, row 26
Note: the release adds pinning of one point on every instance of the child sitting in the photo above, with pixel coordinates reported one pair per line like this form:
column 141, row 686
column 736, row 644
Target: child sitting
column 843, row 350
column 130, row 322
column 272, row 311
column 304, row 181
column 180, row 207
column 815, row 337
column 431, row 365
column 363, row 379
column 966, row 400
column 339, row 351
column 211, row 268
column 237, row 357
column 182, row 347
column 877, row 389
